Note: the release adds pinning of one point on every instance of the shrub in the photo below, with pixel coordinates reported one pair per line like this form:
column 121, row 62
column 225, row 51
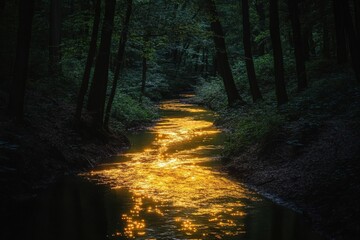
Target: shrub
column 132, row 113
column 251, row 128
column 211, row 93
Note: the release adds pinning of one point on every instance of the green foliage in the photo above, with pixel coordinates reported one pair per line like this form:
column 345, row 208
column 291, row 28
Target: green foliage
column 211, row 93
column 252, row 127
column 262, row 36
column 264, row 67
column 131, row 112
column 335, row 95
column 240, row 75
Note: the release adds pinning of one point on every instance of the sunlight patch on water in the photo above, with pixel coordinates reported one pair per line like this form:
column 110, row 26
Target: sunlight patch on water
column 170, row 181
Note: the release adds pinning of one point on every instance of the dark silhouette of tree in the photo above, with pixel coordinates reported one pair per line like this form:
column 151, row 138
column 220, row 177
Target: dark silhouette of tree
column 260, row 10
column 97, row 95
column 55, row 38
column 143, row 75
column 17, row 91
column 254, row 88
column 280, row 88
column 119, row 60
column 2, row 6
column 326, row 38
column 89, row 62
column 298, row 44
column 353, row 38
column 341, row 48
column 223, row 64
column 357, row 16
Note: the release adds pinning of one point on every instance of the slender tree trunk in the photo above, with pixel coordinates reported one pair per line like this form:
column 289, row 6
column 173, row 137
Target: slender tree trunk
column 326, row 39
column 280, row 88
column 254, row 88
column 357, row 16
column 259, row 6
column 341, row 47
column 17, row 91
column 298, row 44
column 206, row 62
column 306, row 44
column 55, row 38
column 143, row 78
column 97, row 95
column 119, row 61
column 233, row 95
column 202, row 65
column 195, row 58
column 89, row 62
column 182, row 53
column 2, row 8
column 312, row 43
column 353, row 39
column 215, row 66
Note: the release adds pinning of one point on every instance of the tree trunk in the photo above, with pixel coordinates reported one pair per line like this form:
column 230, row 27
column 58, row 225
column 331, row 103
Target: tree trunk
column 306, row 44
column 196, row 58
column 2, row 8
column 17, row 91
column 341, row 48
column 143, row 78
column 259, row 6
column 280, row 88
column 119, row 61
column 353, row 39
column 89, row 62
column 55, row 38
column 326, row 39
column 357, row 16
column 298, row 44
column 312, row 43
column 206, row 62
column 97, row 95
column 215, row 66
column 202, row 65
column 222, row 57
column 254, row 88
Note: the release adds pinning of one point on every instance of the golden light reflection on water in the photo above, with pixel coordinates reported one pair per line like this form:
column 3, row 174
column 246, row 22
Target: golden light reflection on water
column 173, row 177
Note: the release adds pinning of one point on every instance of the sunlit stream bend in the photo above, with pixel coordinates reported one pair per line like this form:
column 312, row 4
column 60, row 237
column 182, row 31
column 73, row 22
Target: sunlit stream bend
column 175, row 176
column 167, row 186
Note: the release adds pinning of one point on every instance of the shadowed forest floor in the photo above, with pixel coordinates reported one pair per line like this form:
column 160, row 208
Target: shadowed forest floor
column 309, row 162
column 47, row 146
column 319, row 179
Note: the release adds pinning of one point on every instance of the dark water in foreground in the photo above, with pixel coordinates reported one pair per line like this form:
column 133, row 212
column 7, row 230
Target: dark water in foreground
column 168, row 186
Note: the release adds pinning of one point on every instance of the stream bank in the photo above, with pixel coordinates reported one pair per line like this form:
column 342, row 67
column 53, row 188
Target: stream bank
column 320, row 179
column 304, row 155
column 169, row 185
column 46, row 147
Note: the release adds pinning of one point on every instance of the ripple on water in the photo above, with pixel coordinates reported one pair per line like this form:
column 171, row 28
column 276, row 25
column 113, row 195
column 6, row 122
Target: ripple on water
column 174, row 194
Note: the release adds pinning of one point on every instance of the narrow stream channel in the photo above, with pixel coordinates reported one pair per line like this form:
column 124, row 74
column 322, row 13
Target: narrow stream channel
column 167, row 186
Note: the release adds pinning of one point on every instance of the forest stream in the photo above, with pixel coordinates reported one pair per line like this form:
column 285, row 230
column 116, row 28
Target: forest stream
column 169, row 185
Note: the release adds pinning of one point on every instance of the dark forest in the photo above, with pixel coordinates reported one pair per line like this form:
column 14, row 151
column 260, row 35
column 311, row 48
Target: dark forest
column 180, row 119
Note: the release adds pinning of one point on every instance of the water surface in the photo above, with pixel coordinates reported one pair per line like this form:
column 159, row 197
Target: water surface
column 168, row 186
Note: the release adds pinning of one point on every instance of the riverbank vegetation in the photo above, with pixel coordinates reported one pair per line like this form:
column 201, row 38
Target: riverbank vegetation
column 282, row 75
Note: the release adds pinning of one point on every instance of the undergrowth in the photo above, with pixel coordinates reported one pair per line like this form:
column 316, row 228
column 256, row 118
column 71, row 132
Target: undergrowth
column 129, row 112
column 332, row 96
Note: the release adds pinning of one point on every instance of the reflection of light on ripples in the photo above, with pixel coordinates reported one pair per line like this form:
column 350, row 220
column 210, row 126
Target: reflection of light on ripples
column 200, row 201
column 183, row 107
